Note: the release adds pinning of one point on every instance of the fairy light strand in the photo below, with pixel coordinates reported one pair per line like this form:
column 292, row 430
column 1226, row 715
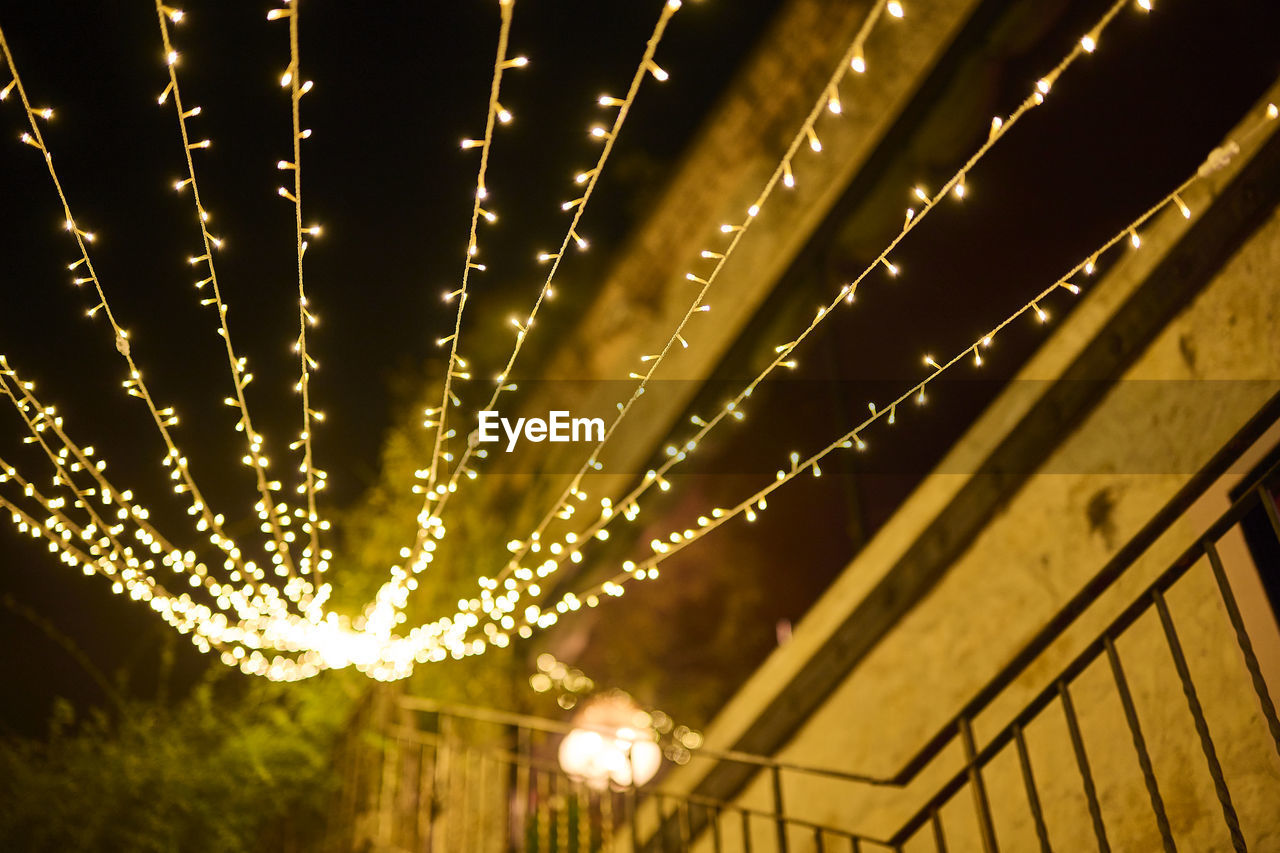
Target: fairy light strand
column 806, row 133
column 134, row 385
column 325, row 640
column 240, row 376
column 648, row 568
column 506, row 8
column 313, row 558
column 644, row 69
column 264, row 597
column 783, row 357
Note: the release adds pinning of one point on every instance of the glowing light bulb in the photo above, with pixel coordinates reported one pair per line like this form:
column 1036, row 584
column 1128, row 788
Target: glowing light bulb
column 894, row 8
column 858, row 63
column 813, row 140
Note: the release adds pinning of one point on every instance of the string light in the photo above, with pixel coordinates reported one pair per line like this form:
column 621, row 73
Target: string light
column 439, row 448
column 430, row 515
column 129, row 571
column 561, row 506
column 537, row 618
column 324, row 638
column 314, row 479
column 280, row 553
column 134, row 385
column 733, row 409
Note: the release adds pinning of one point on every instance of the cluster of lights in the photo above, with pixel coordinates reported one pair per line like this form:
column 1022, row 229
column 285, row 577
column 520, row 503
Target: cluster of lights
column 273, row 514
column 565, row 506
column 573, row 687
column 515, row 578
column 457, row 365
column 315, row 560
column 134, row 385
column 648, row 569
column 431, row 517
column 98, row 548
column 247, row 620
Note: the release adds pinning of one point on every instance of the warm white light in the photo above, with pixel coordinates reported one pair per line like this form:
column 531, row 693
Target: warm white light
column 611, row 745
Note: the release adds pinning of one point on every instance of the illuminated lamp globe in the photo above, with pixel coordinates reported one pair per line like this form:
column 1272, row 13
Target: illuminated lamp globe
column 611, row 744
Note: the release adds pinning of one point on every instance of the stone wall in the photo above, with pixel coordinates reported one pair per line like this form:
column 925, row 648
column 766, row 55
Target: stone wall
column 1192, row 388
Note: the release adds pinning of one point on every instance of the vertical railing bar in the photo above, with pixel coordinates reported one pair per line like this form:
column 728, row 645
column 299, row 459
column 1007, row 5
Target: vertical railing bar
column 855, row 846
column 1246, row 645
column 1202, row 726
column 1269, row 505
column 1139, row 744
column 584, row 817
column 353, row 747
column 716, row 842
column 819, row 843
column 661, row 832
column 464, row 807
column 981, row 806
column 386, row 789
column 746, row 831
column 444, row 763
column 939, row 837
column 523, row 788
column 775, row 775
column 423, row 803
column 686, row 829
column 633, row 795
column 1029, row 782
column 560, row 802
column 1082, row 762
column 542, row 817
column 483, row 823
column 606, row 819
column 433, row 797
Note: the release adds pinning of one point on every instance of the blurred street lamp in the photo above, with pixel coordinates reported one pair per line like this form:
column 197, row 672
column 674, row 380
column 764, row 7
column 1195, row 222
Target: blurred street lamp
column 612, row 743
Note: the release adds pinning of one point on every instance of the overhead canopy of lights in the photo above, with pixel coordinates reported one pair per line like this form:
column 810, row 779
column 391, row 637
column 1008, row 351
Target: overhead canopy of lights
column 266, row 612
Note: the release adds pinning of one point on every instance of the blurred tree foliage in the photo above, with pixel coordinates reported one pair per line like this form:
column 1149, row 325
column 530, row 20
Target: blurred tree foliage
column 241, row 773
column 241, row 764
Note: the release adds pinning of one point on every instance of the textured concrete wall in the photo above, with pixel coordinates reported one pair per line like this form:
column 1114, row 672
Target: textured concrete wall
column 1192, row 388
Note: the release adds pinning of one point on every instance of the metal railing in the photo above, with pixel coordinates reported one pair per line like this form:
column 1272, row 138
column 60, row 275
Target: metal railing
column 423, row 775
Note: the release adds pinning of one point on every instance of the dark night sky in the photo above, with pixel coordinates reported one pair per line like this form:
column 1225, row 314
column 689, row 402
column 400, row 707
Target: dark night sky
column 396, row 89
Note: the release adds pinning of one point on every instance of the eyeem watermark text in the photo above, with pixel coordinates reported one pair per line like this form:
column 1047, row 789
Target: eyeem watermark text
column 558, row 426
